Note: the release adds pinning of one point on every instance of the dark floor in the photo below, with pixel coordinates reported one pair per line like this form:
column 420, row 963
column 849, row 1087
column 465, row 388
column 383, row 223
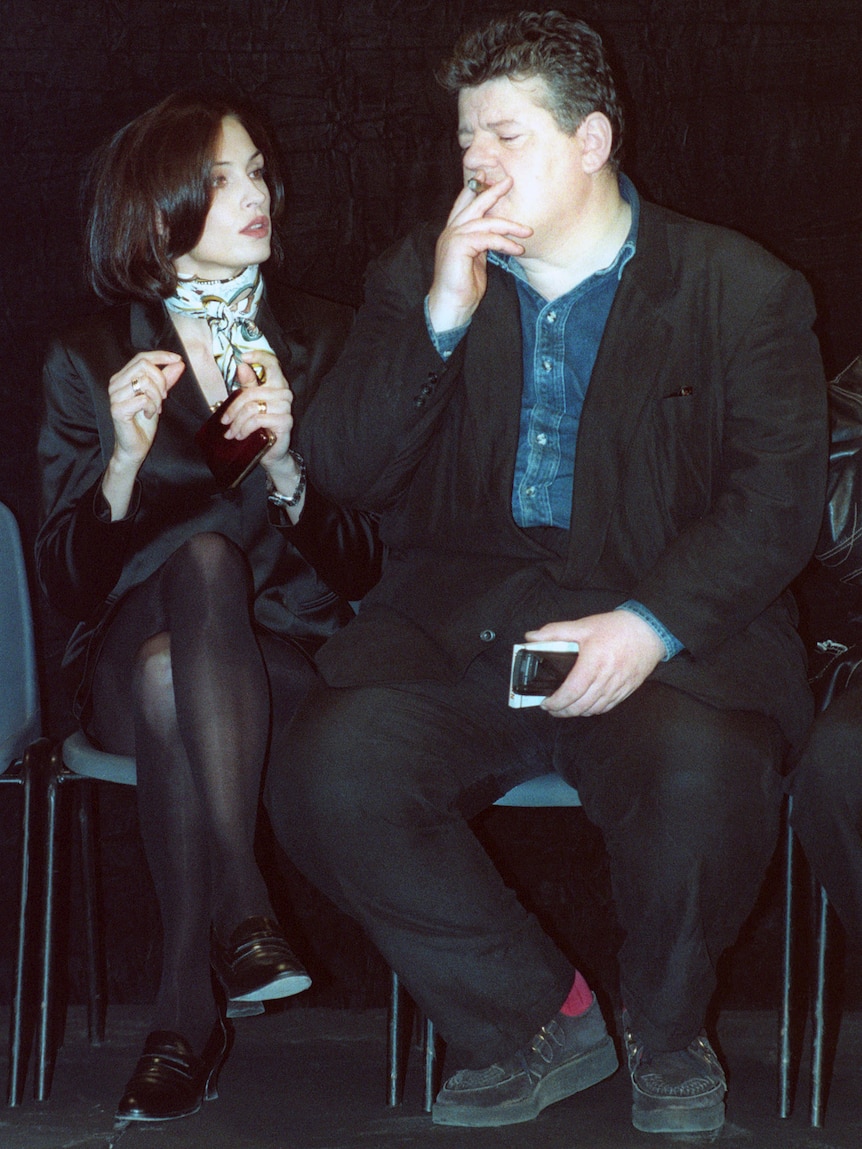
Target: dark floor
column 314, row 1079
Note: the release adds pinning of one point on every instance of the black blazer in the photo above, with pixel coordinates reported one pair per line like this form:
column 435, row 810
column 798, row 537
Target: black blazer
column 699, row 474
column 303, row 575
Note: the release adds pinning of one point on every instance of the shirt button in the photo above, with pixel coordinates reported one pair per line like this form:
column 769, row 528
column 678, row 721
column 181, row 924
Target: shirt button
column 488, row 635
column 529, row 492
column 551, row 317
column 547, row 364
column 541, row 438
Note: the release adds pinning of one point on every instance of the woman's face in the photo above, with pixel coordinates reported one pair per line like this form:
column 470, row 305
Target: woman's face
column 237, row 231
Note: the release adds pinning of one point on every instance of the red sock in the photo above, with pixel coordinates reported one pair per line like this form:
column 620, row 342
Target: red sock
column 580, row 997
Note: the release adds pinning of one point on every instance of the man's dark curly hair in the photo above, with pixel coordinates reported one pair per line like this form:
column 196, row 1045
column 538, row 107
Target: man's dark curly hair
column 565, row 53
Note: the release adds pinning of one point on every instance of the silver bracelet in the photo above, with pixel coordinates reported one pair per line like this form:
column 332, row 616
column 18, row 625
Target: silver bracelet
column 280, row 500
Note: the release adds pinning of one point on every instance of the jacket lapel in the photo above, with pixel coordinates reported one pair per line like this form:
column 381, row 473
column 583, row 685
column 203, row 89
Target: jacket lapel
column 152, row 330
column 493, row 376
column 282, row 343
column 627, row 371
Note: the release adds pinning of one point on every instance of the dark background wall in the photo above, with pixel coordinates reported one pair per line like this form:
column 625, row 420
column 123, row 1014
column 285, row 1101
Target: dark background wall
column 743, row 113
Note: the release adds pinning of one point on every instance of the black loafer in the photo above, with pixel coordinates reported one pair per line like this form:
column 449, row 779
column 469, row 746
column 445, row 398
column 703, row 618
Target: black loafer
column 170, row 1081
column 258, row 964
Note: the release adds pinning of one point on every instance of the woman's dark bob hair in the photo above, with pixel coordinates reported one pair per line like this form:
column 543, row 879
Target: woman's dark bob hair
column 150, row 192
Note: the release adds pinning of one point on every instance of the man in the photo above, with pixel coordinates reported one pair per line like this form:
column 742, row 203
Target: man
column 583, row 418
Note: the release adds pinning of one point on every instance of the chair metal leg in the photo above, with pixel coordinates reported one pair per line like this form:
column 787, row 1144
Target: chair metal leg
column 398, row 1040
column 818, row 1035
column 785, row 1014
column 433, row 1063
column 399, row 1034
column 96, row 992
column 46, row 1029
column 21, row 1004
column 18, row 1008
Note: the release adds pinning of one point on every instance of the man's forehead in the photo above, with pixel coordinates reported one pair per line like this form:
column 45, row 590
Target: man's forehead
column 502, row 100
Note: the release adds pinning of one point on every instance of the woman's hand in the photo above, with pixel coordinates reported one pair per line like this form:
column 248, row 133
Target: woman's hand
column 267, row 404
column 262, row 404
column 136, row 393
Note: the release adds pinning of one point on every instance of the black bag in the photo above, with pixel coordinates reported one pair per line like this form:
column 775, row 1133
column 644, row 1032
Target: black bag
column 839, row 547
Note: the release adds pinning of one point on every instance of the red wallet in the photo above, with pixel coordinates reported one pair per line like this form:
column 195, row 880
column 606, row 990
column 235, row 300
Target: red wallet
column 230, row 460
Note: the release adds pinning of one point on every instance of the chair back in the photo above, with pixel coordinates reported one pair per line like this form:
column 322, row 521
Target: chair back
column 20, row 719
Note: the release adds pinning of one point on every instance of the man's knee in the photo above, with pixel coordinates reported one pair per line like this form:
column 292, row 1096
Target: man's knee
column 685, row 772
column 828, row 776
column 336, row 767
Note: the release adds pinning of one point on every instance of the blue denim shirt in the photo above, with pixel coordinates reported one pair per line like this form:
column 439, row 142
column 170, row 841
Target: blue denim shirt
column 560, row 343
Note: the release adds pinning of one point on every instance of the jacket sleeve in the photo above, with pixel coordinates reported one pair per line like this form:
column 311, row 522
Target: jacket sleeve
column 730, row 563
column 375, row 413
column 342, row 545
column 79, row 551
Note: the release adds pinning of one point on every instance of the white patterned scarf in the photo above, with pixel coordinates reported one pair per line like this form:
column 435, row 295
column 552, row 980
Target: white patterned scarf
column 229, row 306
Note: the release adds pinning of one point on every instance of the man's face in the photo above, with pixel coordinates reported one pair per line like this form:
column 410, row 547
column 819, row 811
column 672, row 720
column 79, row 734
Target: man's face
column 504, row 131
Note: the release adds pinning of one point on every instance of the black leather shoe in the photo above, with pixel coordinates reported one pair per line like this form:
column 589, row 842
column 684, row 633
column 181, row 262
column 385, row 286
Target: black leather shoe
column 170, row 1080
column 258, row 964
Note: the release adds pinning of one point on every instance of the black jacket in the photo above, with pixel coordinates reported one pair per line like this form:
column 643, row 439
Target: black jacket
column 304, row 576
column 699, row 476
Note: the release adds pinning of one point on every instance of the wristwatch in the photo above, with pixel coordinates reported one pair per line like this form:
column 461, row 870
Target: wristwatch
column 280, row 500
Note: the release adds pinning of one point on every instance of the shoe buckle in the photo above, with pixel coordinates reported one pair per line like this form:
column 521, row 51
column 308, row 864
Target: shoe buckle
column 544, row 1041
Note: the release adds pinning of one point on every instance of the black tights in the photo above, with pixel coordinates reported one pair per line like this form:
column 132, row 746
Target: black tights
column 184, row 684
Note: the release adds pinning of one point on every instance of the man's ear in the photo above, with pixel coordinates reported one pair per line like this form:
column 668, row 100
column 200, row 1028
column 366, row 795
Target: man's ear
column 597, row 138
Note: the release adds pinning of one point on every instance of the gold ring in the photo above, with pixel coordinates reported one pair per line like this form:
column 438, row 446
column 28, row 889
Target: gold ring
column 260, row 372
column 261, row 406
column 136, row 387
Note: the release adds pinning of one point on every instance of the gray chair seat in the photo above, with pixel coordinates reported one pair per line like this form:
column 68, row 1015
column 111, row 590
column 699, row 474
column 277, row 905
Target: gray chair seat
column 81, row 757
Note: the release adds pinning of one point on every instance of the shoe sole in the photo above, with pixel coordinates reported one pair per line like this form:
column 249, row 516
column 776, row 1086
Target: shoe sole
column 144, row 1119
column 236, row 1008
column 678, row 1118
column 285, row 986
column 579, row 1073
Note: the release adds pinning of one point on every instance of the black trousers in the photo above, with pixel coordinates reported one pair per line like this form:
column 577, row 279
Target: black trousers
column 826, row 785
column 374, row 803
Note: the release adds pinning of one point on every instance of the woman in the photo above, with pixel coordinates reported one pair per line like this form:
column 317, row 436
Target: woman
column 200, row 606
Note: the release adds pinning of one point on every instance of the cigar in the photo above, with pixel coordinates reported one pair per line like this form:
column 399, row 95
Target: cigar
column 476, row 186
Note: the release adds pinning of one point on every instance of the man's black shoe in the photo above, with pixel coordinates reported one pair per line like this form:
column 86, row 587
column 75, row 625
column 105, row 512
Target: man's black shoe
column 566, row 1055
column 679, row 1092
